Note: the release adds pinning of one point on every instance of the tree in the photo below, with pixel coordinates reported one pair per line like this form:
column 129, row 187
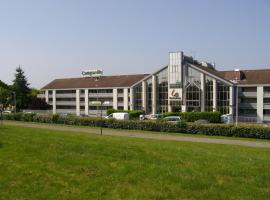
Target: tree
column 38, row 104
column 3, row 85
column 5, row 95
column 21, row 89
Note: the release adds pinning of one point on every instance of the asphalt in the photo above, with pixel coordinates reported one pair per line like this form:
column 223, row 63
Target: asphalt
column 138, row 134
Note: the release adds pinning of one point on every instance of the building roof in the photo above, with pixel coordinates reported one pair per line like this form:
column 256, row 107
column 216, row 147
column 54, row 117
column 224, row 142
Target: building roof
column 244, row 77
column 249, row 77
column 90, row 82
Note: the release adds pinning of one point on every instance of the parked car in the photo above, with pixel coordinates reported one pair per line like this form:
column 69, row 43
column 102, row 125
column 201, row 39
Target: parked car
column 227, row 119
column 142, row 117
column 153, row 116
column 202, row 121
column 172, row 119
column 7, row 111
column 118, row 116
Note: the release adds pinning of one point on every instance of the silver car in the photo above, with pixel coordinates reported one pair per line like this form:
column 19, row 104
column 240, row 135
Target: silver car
column 172, row 119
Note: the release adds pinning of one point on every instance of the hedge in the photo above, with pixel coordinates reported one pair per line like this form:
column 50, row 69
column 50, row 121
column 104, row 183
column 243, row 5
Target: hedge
column 247, row 131
column 212, row 117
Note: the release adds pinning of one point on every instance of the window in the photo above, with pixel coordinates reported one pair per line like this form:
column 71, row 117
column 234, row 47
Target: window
column 162, row 91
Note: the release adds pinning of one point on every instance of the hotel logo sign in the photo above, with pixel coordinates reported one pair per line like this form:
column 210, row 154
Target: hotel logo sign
column 92, row 73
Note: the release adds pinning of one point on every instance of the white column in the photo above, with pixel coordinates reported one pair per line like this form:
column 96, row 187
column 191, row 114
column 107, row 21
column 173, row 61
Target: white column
column 131, row 97
column 115, row 106
column 214, row 95
column 154, row 94
column 54, row 101
column 78, row 109
column 144, row 103
column 260, row 104
column 47, row 96
column 231, row 99
column 86, row 102
column 202, row 92
column 125, row 98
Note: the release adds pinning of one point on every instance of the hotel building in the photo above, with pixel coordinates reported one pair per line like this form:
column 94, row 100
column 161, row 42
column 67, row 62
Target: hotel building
column 184, row 85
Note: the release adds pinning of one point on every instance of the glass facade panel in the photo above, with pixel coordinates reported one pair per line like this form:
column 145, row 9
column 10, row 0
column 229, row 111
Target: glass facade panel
column 175, row 72
column 223, row 98
column 162, row 91
column 208, row 94
column 149, row 94
column 138, row 97
column 193, row 90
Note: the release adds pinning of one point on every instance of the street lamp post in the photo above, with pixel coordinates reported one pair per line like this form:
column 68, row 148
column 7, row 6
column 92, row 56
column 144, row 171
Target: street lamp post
column 15, row 103
column 236, row 102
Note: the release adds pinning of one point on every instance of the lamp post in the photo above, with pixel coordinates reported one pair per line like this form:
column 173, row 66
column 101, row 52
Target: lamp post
column 99, row 105
column 1, row 111
column 236, row 112
column 15, row 102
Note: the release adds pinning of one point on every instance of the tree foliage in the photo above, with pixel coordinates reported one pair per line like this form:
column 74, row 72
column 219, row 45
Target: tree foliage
column 21, row 88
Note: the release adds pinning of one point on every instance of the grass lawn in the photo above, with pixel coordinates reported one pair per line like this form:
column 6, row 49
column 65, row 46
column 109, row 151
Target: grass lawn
column 45, row 164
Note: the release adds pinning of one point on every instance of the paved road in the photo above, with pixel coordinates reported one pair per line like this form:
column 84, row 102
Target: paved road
column 142, row 135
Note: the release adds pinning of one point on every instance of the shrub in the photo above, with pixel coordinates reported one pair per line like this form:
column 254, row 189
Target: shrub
column 213, row 117
column 248, row 131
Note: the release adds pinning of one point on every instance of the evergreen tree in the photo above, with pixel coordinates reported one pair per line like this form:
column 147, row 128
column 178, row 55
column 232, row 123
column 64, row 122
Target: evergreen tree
column 21, row 89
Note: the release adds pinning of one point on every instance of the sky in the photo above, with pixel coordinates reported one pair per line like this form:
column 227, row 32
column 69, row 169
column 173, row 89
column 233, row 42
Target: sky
column 60, row 38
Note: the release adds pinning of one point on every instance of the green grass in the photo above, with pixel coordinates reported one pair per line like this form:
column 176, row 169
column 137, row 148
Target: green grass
column 153, row 132
column 45, row 164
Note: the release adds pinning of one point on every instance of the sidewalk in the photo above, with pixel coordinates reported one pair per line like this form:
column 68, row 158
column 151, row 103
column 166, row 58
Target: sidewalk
column 127, row 133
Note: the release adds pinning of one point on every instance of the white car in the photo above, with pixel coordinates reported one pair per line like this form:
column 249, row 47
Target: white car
column 118, row 116
column 7, row 112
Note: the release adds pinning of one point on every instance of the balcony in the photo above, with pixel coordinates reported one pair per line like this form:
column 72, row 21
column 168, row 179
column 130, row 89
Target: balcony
column 68, row 95
column 266, row 118
column 266, row 94
column 248, row 94
column 100, row 95
column 248, row 105
column 66, row 103
column 266, row 106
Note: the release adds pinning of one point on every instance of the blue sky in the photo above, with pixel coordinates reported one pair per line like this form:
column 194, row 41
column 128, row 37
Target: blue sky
column 60, row 38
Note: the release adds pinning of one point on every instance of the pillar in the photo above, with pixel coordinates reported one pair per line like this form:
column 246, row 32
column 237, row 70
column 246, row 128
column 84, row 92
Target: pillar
column 86, row 102
column 78, row 107
column 131, row 97
column 154, row 94
column 260, row 104
column 125, row 98
column 47, row 96
column 115, row 104
column 231, row 100
column 214, row 95
column 202, row 92
column 54, row 101
column 144, row 103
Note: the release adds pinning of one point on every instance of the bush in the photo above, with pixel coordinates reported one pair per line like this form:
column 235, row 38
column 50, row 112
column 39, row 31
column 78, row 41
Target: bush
column 212, row 117
column 247, row 131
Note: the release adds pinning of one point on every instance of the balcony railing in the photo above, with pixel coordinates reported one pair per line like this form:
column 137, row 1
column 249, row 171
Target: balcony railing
column 266, row 105
column 266, row 94
column 248, row 105
column 248, row 94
